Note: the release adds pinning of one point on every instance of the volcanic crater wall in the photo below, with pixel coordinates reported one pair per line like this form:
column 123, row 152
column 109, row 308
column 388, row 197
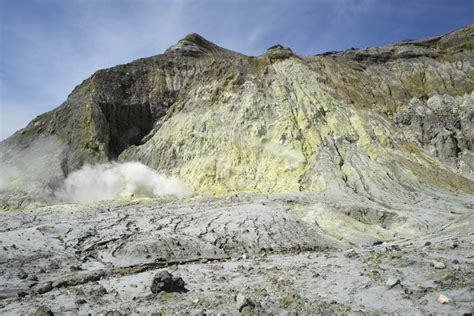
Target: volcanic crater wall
column 379, row 122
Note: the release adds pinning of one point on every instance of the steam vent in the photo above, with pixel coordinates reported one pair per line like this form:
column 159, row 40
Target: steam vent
column 204, row 181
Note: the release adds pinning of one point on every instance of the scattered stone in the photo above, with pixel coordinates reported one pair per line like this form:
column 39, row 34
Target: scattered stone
column 396, row 256
column 196, row 301
column 22, row 275
column 271, row 268
column 54, row 266
column 392, row 282
column 407, row 293
column 393, row 248
column 22, row 294
column 114, row 293
column 375, row 274
column 43, row 311
column 456, row 261
column 97, row 291
column 80, row 301
column 438, row 264
column 248, row 311
column 442, row 299
column 165, row 281
column 289, row 299
column 32, row 277
column 428, row 243
column 242, row 301
column 75, row 268
column 350, row 253
column 43, row 287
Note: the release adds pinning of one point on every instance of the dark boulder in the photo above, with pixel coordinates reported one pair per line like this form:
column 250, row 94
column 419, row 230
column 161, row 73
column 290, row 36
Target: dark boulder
column 165, row 281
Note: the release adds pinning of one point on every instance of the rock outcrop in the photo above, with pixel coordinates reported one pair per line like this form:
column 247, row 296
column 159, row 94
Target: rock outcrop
column 378, row 122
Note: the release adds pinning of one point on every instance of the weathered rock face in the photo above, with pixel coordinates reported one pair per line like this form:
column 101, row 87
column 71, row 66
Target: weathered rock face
column 378, row 122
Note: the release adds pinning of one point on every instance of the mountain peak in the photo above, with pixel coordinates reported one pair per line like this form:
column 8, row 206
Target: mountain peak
column 195, row 38
column 194, row 45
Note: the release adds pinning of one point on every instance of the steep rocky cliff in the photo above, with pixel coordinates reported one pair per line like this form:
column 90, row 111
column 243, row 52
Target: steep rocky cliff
column 379, row 122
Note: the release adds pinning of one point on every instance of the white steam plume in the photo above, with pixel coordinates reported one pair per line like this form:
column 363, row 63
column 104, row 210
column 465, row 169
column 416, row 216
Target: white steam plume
column 34, row 168
column 113, row 180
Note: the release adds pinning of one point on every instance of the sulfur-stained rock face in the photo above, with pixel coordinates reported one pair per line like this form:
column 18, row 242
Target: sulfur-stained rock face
column 379, row 122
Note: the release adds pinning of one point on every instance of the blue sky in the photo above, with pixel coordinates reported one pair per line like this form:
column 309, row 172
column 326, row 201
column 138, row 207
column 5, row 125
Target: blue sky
column 47, row 47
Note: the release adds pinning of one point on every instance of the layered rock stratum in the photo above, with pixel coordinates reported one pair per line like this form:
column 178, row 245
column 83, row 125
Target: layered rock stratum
column 293, row 161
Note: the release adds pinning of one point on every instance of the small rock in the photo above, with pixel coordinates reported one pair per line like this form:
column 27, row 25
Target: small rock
column 32, row 278
column 80, row 301
column 456, row 261
column 438, row 264
column 54, row 266
column 248, row 311
column 289, row 299
column 242, row 301
column 43, row 311
column 428, row 243
column 75, row 268
column 392, row 282
column 165, row 281
column 43, row 287
column 22, row 275
column 196, row 301
column 97, row 291
column 22, row 294
column 350, row 253
column 272, row 268
column 393, row 248
column 442, row 299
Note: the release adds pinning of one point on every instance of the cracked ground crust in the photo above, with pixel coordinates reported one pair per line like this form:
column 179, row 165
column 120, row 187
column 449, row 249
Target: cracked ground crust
column 260, row 245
